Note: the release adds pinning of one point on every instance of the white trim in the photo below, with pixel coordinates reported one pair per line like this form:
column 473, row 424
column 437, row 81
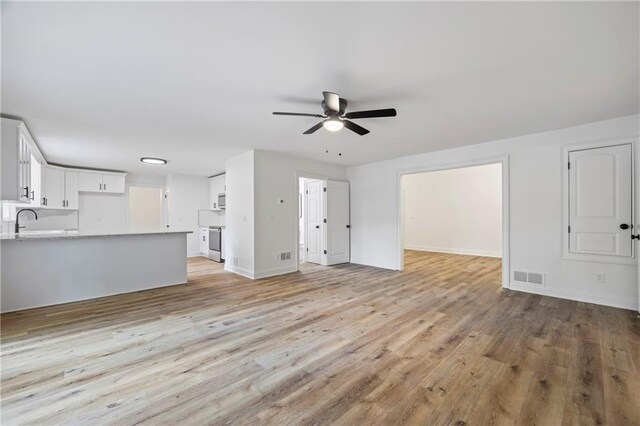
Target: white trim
column 275, row 271
column 598, row 299
column 465, row 252
column 240, row 271
column 195, row 254
column 504, row 161
column 598, row 143
column 260, row 274
column 306, row 175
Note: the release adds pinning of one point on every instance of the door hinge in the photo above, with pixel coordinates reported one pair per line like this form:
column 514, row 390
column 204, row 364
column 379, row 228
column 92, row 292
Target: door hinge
column 325, row 189
column 325, row 252
column 307, row 192
column 307, row 249
column 569, row 229
column 325, row 220
column 569, row 165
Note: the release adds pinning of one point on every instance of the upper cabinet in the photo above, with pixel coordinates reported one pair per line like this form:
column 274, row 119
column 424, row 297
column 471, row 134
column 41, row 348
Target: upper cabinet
column 217, row 188
column 21, row 160
column 59, row 188
column 113, row 183
column 27, row 179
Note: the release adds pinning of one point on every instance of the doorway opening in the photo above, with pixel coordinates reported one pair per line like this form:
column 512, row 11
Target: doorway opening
column 323, row 227
column 146, row 208
column 453, row 212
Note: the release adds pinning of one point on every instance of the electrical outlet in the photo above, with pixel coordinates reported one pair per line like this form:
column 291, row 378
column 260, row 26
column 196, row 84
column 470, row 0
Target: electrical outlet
column 600, row 277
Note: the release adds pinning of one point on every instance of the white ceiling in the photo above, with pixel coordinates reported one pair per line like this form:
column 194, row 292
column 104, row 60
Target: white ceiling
column 102, row 84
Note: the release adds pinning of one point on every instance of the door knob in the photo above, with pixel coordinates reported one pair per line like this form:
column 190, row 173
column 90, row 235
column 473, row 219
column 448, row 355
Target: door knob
column 624, row 226
column 317, row 226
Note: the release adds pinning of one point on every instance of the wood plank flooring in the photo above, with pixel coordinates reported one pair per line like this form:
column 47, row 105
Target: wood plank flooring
column 439, row 343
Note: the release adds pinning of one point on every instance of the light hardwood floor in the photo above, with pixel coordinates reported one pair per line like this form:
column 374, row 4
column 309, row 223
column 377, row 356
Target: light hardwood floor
column 440, row 343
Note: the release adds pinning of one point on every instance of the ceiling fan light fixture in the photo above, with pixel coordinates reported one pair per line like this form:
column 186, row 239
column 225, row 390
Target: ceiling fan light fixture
column 333, row 125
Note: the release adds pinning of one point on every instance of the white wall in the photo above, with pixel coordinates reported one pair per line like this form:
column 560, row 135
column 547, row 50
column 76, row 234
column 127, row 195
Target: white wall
column 239, row 244
column 187, row 194
column 102, row 213
column 276, row 178
column 47, row 219
column 256, row 182
column 535, row 211
column 454, row 211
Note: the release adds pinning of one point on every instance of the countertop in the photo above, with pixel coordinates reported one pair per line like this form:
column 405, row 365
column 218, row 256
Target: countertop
column 64, row 235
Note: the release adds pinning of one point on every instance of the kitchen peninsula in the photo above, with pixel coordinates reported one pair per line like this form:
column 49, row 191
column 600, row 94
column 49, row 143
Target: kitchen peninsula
column 49, row 268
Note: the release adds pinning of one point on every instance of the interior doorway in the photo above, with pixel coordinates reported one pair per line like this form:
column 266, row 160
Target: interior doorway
column 323, row 221
column 145, row 208
column 447, row 212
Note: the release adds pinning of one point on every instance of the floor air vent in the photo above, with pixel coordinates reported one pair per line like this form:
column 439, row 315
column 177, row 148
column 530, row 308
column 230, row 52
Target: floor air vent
column 529, row 277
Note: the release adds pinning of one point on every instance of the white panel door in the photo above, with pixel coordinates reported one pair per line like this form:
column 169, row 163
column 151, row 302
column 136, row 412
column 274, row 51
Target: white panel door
column 53, row 187
column 71, row 183
column 337, row 227
column 600, row 201
column 313, row 221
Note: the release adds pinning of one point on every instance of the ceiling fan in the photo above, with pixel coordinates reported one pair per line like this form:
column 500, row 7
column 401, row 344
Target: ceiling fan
column 336, row 118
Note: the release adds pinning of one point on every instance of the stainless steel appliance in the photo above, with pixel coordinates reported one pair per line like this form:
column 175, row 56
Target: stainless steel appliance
column 215, row 243
column 222, row 200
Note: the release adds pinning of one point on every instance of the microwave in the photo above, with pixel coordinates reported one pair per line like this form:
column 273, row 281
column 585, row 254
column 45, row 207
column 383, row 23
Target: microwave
column 222, row 200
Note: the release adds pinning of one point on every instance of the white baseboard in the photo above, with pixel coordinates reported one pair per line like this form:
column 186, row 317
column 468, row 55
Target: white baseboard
column 255, row 275
column 195, row 254
column 597, row 299
column 468, row 252
column 275, row 271
column 240, row 271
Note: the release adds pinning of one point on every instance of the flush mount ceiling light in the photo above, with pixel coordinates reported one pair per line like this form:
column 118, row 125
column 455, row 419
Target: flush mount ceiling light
column 153, row 160
column 333, row 125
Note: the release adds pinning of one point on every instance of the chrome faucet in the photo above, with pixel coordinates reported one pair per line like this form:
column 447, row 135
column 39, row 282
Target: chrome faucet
column 18, row 217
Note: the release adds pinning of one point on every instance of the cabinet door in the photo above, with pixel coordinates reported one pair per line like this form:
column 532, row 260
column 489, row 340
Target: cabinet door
column 54, row 188
column 89, row 182
column 71, row 183
column 36, row 182
column 25, row 170
column 113, row 184
column 213, row 194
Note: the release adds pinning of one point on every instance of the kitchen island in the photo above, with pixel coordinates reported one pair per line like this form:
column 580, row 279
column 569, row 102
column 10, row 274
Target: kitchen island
column 49, row 268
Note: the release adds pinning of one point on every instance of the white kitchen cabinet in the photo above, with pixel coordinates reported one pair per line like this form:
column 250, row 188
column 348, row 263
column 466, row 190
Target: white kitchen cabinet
column 60, row 188
column 19, row 154
column 204, row 241
column 217, row 186
column 89, row 182
column 113, row 184
column 53, row 187
column 36, row 182
column 102, row 182
column 71, row 183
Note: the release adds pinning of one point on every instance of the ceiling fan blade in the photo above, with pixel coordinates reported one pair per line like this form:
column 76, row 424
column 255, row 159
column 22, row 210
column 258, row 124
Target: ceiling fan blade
column 313, row 129
column 299, row 114
column 374, row 113
column 355, row 128
column 332, row 101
